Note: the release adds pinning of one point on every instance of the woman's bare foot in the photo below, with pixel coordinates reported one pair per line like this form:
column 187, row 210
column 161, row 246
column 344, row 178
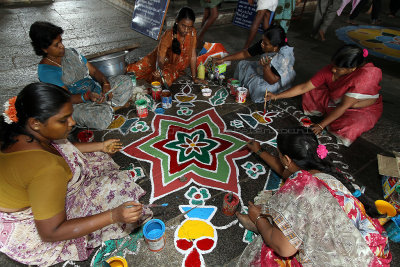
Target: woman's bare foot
column 322, row 36
column 244, row 219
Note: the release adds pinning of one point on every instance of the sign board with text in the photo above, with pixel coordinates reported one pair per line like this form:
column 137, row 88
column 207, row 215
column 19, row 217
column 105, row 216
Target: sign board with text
column 148, row 17
column 245, row 14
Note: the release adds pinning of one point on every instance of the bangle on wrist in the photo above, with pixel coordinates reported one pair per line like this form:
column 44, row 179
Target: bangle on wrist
column 83, row 98
column 111, row 217
column 86, row 96
column 322, row 128
column 259, row 151
column 259, row 217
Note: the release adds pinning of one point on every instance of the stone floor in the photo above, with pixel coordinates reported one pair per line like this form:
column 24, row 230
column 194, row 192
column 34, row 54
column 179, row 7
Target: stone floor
column 92, row 26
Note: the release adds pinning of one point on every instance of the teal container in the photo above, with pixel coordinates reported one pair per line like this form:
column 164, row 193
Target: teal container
column 393, row 230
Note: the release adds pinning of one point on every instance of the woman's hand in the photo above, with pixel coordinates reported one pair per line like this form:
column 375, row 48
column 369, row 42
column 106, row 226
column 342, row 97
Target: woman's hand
column 217, row 61
column 254, row 211
column 271, row 96
column 128, row 212
column 251, row 2
column 112, row 146
column 265, row 61
column 107, row 87
column 95, row 97
column 254, row 146
column 317, row 128
column 196, row 80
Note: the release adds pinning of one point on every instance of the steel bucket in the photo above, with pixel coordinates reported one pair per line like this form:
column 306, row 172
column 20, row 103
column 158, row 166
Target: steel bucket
column 112, row 64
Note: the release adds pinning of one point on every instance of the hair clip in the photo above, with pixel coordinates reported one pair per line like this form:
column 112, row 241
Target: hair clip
column 365, row 52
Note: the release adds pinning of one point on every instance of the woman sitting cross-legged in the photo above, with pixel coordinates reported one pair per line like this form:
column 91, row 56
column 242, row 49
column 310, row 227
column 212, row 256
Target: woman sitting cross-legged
column 345, row 91
column 317, row 217
column 273, row 72
column 174, row 53
column 59, row 201
column 67, row 68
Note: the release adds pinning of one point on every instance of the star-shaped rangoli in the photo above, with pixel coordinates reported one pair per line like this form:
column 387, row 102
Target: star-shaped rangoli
column 199, row 148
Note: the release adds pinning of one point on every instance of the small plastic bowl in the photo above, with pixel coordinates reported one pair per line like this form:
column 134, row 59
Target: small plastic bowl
column 206, row 91
column 117, row 261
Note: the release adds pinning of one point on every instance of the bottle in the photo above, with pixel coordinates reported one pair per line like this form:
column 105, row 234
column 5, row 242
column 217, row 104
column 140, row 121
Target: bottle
column 201, row 71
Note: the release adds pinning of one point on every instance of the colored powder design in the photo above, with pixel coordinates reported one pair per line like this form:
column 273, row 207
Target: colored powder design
column 118, row 122
column 199, row 148
column 184, row 98
column 258, row 117
column 193, row 239
column 194, row 229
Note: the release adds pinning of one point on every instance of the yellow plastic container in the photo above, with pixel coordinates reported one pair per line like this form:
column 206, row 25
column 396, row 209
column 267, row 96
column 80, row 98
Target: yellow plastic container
column 117, row 261
column 201, row 72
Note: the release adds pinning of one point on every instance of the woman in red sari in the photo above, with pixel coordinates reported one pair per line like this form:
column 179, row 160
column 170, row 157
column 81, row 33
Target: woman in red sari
column 346, row 92
column 176, row 51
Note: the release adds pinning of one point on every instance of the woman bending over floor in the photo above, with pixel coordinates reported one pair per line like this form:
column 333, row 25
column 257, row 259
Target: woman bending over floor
column 175, row 52
column 67, row 68
column 273, row 72
column 317, row 218
column 59, row 201
column 346, row 92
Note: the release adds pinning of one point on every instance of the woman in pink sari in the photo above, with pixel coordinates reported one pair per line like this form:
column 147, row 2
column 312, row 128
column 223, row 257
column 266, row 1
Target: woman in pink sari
column 317, row 218
column 346, row 92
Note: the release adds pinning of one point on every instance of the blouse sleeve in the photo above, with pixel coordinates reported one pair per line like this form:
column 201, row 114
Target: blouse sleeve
column 255, row 49
column 50, row 74
column 321, row 76
column 47, row 192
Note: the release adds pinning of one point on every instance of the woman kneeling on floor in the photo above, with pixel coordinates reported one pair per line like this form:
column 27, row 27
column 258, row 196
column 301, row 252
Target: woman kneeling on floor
column 345, row 91
column 59, row 201
column 273, row 72
column 316, row 217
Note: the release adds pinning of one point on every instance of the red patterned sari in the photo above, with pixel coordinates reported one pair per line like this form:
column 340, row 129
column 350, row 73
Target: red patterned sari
column 363, row 83
column 174, row 64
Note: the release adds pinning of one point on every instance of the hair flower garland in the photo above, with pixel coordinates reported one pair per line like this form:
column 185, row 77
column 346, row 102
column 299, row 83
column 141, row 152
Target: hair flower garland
column 365, row 52
column 10, row 113
column 322, row 151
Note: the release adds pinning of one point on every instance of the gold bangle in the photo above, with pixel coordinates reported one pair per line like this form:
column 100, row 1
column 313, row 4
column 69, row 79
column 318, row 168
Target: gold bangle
column 111, row 217
column 322, row 128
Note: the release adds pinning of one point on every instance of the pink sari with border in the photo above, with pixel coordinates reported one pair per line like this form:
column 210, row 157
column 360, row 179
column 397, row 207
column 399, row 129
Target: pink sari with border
column 363, row 83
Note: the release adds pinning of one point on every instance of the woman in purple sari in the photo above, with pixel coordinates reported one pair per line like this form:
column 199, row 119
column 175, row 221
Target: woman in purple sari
column 58, row 201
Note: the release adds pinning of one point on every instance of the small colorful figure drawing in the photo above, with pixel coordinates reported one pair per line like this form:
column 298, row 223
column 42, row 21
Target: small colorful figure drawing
column 253, row 170
column 196, row 235
column 257, row 117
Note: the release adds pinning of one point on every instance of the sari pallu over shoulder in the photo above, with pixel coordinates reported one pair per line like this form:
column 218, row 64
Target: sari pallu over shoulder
column 317, row 225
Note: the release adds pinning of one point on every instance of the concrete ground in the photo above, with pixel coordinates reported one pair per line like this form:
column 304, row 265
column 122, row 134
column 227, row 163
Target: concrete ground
column 92, row 26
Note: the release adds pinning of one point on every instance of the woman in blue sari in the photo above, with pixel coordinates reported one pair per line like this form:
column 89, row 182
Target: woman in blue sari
column 273, row 72
column 66, row 68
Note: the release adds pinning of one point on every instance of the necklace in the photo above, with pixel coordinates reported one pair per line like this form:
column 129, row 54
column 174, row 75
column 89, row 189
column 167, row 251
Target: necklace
column 53, row 62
